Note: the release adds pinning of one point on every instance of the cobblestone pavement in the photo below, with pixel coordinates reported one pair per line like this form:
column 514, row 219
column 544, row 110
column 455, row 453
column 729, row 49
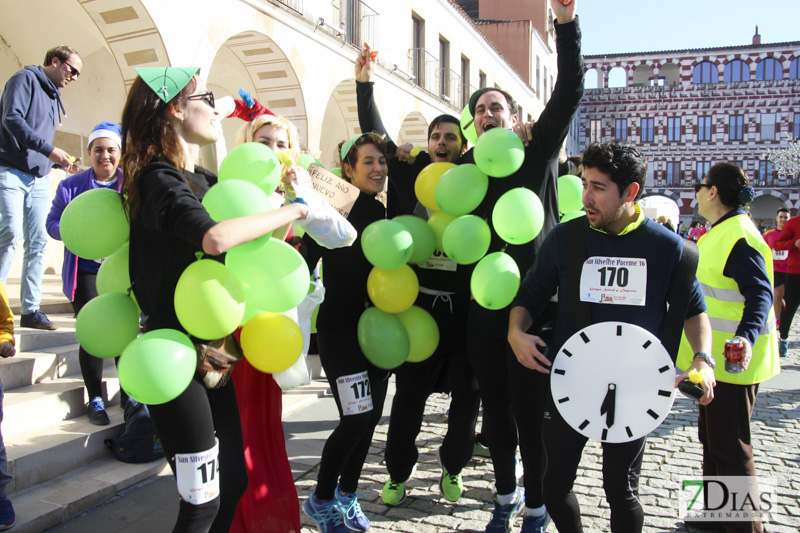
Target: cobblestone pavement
column 672, row 451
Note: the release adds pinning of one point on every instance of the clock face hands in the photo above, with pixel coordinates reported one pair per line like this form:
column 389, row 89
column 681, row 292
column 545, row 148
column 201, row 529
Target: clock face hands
column 609, row 404
column 613, row 382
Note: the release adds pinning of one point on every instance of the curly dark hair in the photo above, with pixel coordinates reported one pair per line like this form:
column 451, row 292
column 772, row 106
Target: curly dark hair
column 622, row 161
column 733, row 185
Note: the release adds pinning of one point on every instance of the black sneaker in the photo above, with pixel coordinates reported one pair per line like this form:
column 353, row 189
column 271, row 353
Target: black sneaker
column 97, row 413
column 36, row 320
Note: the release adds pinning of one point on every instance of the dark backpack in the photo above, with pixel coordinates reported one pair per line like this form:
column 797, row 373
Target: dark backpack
column 138, row 442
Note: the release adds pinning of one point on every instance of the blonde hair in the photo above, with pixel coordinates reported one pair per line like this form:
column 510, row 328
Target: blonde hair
column 247, row 132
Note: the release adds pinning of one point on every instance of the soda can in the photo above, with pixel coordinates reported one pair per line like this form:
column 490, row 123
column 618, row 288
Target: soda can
column 734, row 350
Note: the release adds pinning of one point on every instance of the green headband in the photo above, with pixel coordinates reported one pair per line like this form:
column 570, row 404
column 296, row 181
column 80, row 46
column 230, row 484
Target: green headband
column 348, row 145
column 167, row 82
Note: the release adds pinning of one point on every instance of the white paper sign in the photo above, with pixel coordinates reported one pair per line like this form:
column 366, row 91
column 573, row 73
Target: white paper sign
column 439, row 261
column 340, row 193
column 198, row 475
column 355, row 393
column 614, row 280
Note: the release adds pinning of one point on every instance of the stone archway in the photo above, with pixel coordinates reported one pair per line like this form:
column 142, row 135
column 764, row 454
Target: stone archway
column 254, row 62
column 340, row 122
column 414, row 130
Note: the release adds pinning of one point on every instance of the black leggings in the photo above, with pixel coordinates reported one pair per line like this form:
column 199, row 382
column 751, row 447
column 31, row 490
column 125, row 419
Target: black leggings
column 189, row 424
column 622, row 464
column 91, row 366
column 347, row 446
column 486, row 349
column 791, row 296
column 447, row 370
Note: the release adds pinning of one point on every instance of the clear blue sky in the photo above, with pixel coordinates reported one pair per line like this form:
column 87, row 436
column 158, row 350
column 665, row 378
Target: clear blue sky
column 618, row 26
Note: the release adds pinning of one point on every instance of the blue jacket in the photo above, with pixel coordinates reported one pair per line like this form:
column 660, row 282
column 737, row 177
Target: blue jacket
column 67, row 190
column 30, row 110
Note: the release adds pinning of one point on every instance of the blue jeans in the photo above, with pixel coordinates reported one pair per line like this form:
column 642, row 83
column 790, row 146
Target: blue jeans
column 24, row 205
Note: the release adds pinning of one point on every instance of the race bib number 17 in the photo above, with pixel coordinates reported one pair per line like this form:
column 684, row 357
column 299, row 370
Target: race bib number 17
column 614, row 280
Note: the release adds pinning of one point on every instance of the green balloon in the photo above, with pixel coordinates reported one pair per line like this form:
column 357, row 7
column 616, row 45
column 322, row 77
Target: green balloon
column 495, row 281
column 383, row 338
column 499, row 152
column 387, row 244
column 158, row 366
column 438, row 222
column 107, row 324
column 422, row 332
column 422, row 236
column 466, row 239
column 113, row 275
column 337, row 171
column 469, row 131
column 94, row 224
column 253, row 162
column 572, row 214
column 235, row 198
column 518, row 216
column 570, row 193
column 275, row 276
column 308, row 160
column 209, row 300
column 461, row 189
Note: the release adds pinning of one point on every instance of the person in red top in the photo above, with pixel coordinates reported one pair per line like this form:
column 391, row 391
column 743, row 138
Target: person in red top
column 789, row 239
column 779, row 260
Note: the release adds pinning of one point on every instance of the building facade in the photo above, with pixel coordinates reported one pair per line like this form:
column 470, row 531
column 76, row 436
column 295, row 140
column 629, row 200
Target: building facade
column 689, row 109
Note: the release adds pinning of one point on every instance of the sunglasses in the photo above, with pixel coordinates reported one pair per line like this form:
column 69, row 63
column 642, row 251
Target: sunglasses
column 698, row 186
column 206, row 97
column 72, row 70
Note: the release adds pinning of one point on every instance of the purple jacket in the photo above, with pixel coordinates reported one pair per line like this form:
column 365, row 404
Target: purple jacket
column 67, row 190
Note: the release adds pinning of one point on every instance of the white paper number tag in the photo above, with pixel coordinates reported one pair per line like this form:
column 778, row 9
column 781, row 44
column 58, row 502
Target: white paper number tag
column 780, row 255
column 614, row 280
column 198, row 475
column 355, row 393
column 439, row 261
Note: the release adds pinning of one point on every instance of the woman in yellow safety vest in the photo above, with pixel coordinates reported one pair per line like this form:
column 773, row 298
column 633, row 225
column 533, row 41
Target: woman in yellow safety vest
column 735, row 273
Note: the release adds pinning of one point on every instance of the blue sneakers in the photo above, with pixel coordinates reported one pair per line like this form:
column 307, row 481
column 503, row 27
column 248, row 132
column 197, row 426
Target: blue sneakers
column 7, row 516
column 354, row 518
column 503, row 516
column 326, row 515
column 783, row 347
column 534, row 524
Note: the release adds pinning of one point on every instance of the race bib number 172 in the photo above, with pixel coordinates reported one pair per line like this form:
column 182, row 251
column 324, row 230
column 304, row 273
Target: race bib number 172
column 614, row 280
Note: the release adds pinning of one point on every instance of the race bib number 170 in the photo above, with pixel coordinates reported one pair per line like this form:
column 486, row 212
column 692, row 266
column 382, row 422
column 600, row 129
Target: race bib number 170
column 614, row 280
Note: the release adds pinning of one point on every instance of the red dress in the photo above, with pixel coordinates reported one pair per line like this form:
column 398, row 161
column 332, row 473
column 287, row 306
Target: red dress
column 270, row 503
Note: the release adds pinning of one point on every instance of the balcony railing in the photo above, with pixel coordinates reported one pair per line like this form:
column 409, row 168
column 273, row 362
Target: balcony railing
column 425, row 66
column 451, row 87
column 357, row 21
column 294, row 5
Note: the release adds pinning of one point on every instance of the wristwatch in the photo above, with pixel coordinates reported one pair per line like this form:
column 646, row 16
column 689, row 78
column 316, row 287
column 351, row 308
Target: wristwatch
column 707, row 358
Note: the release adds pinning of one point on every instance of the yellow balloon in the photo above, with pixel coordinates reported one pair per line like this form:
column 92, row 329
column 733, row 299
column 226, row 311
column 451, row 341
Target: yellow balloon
column 425, row 186
column 438, row 222
column 422, row 332
column 393, row 291
column 271, row 342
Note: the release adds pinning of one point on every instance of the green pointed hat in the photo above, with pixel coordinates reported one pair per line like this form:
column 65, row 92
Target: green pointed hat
column 166, row 82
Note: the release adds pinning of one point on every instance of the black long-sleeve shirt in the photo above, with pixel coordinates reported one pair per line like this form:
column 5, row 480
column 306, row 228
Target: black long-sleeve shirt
column 539, row 170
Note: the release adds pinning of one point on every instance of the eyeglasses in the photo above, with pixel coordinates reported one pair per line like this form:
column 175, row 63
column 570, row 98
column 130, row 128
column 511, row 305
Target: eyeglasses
column 72, row 70
column 698, row 186
column 206, row 97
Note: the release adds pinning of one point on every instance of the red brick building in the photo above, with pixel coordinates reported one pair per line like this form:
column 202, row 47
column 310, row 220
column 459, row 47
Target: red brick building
column 689, row 109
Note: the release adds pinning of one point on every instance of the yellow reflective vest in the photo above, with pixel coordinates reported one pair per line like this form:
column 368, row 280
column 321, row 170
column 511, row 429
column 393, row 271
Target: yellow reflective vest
column 726, row 304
